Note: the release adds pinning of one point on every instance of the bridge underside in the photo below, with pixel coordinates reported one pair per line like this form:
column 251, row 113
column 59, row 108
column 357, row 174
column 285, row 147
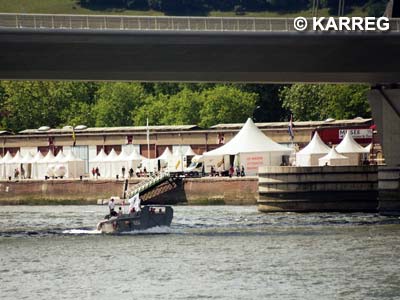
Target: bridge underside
column 199, row 56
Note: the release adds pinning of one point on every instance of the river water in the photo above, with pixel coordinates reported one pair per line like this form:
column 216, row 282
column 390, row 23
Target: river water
column 209, row 252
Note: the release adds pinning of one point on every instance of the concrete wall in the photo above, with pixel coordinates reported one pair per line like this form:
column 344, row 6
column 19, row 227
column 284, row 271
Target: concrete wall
column 208, row 190
column 303, row 189
column 389, row 190
column 385, row 105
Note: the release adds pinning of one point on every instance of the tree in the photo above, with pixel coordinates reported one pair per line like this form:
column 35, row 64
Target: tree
column 31, row 104
column 319, row 102
column 226, row 104
column 269, row 107
column 116, row 102
column 183, row 108
column 153, row 109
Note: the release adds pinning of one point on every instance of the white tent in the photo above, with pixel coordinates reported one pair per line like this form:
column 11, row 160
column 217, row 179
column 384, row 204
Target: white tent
column 111, row 165
column 368, row 148
column 14, row 164
column 167, row 154
column 189, row 155
column 190, row 152
column 333, row 158
column 134, row 160
column 252, row 149
column 35, row 163
column 59, row 157
column 27, row 165
column 309, row 155
column 166, row 159
column 350, row 148
column 44, row 166
column 3, row 162
column 99, row 162
column 75, row 166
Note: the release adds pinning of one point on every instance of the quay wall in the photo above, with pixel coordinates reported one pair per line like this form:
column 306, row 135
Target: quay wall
column 307, row 189
column 193, row 191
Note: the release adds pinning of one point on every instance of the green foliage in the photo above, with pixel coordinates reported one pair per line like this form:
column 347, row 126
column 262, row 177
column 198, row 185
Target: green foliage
column 226, row 104
column 319, row 102
column 183, row 108
column 268, row 107
column 26, row 104
column 116, row 102
column 153, row 108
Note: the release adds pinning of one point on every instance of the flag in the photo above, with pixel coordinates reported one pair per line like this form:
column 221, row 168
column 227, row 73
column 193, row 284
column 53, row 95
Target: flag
column 290, row 129
column 134, row 202
column 177, row 164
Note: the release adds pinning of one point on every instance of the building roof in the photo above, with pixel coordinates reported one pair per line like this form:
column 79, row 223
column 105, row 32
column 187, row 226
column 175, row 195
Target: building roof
column 111, row 129
column 326, row 123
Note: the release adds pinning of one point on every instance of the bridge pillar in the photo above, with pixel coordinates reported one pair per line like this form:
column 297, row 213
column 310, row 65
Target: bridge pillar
column 385, row 105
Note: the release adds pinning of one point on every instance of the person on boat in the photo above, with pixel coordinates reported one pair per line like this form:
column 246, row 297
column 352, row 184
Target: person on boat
column 119, row 211
column 111, row 206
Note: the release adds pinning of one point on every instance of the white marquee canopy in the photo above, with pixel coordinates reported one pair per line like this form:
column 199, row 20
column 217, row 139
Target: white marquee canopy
column 252, row 149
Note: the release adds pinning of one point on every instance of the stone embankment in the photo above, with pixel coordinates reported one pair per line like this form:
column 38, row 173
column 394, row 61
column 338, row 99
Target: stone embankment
column 306, row 189
column 195, row 191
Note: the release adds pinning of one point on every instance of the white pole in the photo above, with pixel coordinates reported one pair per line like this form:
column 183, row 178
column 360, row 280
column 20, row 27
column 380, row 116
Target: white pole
column 148, row 144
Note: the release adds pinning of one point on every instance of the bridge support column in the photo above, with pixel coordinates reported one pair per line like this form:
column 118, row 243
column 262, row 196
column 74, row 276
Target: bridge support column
column 385, row 105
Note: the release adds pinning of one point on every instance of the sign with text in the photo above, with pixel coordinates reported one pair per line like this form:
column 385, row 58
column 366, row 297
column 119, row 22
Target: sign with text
column 356, row 133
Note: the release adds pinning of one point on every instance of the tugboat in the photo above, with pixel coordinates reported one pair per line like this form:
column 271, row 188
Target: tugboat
column 138, row 218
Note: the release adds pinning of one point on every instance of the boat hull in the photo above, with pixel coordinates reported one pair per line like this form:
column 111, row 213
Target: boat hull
column 148, row 217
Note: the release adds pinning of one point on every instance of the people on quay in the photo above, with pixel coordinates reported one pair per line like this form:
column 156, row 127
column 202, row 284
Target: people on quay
column 22, row 172
column 97, row 172
column 137, row 172
column 237, row 171
column 242, row 173
column 130, row 172
column 220, row 170
column 123, row 171
column 212, row 171
column 231, row 171
column 94, row 172
column 16, row 173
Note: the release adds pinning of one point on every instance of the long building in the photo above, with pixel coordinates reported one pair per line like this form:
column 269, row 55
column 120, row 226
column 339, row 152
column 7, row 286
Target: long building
column 87, row 142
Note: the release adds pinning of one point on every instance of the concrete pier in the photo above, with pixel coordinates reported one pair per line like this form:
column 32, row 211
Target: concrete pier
column 385, row 105
column 306, row 189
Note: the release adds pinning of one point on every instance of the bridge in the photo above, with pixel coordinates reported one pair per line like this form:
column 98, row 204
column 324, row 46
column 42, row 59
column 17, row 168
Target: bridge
column 196, row 49
column 70, row 47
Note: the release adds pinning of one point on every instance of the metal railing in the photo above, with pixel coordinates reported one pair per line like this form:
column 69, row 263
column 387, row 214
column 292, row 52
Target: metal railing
column 162, row 23
column 144, row 185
